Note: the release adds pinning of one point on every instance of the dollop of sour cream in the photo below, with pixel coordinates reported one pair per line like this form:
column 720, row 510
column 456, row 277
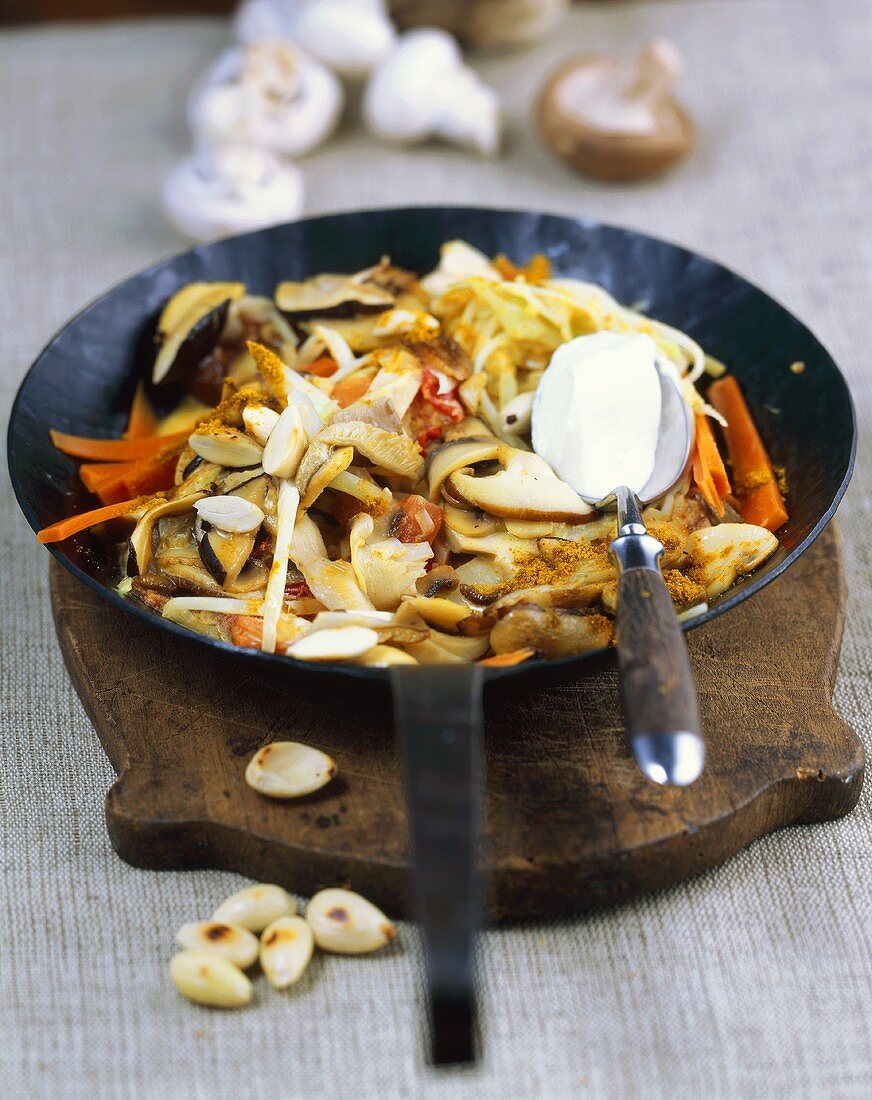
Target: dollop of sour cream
column 596, row 413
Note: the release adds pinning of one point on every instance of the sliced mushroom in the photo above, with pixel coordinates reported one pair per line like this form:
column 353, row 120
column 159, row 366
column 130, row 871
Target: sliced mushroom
column 456, row 455
column 319, row 466
column 140, row 553
column 391, row 451
column 329, row 295
column 525, row 488
column 551, row 632
column 224, row 554
column 190, row 326
column 722, row 554
column 469, row 524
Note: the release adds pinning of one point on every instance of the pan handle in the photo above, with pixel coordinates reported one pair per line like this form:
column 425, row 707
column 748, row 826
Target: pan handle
column 438, row 719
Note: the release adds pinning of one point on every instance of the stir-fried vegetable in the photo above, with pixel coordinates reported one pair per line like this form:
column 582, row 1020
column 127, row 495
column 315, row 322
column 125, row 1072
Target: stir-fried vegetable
column 361, row 486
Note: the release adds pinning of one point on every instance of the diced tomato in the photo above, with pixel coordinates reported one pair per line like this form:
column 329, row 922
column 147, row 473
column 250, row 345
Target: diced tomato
column 345, row 508
column 446, row 403
column 429, row 435
column 297, row 590
column 416, row 520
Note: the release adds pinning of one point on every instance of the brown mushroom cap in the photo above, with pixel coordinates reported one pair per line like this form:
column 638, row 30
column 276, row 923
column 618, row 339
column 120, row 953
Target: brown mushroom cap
column 588, row 145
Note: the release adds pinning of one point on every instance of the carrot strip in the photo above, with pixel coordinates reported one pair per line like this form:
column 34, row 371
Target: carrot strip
column 72, row 525
column 325, row 367
column 113, row 450
column 143, row 419
column 506, row 660
column 92, row 473
column 709, row 472
column 755, row 484
column 351, row 388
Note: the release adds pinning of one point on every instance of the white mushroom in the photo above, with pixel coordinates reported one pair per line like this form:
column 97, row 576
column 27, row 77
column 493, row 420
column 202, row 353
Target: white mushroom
column 270, row 94
column 423, row 89
column 722, row 554
column 231, row 189
column 351, row 36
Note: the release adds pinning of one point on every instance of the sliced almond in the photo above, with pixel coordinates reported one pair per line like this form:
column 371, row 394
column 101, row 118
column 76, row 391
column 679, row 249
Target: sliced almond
column 289, row 769
column 210, row 980
column 226, row 447
column 286, row 947
column 256, row 906
column 259, row 421
column 228, row 513
column 341, row 643
column 383, row 656
column 229, row 941
column 347, row 924
column 286, row 445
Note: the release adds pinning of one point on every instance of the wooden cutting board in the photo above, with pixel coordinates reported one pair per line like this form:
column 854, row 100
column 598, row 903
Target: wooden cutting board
column 570, row 823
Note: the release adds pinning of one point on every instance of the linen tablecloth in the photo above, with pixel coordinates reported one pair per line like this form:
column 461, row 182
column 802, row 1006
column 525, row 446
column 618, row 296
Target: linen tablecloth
column 751, row 981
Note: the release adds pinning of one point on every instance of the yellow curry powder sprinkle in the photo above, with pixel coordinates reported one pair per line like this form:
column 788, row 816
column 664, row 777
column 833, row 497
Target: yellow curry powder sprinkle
column 684, row 591
column 270, row 366
column 752, row 480
column 562, row 559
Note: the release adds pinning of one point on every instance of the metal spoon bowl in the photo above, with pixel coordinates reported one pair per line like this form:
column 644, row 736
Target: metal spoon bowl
column 657, row 685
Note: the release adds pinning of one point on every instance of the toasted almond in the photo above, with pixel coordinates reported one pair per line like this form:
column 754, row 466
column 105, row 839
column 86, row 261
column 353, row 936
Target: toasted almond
column 289, row 769
column 347, row 924
column 229, row 513
column 341, row 643
column 383, row 656
column 227, row 447
column 229, row 941
column 256, row 906
column 209, row 980
column 286, row 947
column 286, row 444
column 259, row 421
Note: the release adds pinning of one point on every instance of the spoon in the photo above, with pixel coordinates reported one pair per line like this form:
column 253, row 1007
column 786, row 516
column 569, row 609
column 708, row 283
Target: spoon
column 657, row 687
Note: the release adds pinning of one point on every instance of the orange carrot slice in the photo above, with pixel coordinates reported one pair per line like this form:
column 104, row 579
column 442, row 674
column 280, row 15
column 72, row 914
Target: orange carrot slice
column 755, row 484
column 324, row 367
column 113, row 450
column 72, row 525
column 506, row 660
column 709, row 472
column 143, row 419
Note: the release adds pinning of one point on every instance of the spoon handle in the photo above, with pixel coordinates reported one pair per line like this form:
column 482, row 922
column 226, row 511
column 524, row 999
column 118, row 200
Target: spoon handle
column 659, row 694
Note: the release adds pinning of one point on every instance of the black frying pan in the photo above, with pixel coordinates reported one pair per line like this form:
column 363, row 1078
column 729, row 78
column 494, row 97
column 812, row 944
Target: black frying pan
column 83, row 383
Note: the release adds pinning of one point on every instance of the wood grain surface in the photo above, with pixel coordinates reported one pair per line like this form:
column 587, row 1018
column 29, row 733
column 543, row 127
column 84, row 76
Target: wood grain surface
column 570, row 823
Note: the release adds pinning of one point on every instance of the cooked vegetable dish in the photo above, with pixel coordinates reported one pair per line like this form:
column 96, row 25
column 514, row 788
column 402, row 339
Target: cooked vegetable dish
column 348, row 473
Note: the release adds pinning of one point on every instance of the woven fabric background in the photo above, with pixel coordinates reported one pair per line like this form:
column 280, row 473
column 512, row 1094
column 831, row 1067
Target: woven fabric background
column 752, row 981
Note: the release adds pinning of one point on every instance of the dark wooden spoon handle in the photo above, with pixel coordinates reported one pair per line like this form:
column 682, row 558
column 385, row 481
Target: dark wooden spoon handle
column 659, row 695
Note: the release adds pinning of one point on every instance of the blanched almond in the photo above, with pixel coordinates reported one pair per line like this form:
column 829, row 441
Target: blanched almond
column 383, row 656
column 226, row 447
column 285, row 950
column 289, row 769
column 209, row 980
column 256, row 906
column 228, row 513
column 286, row 445
column 229, row 941
column 347, row 924
column 335, row 644
column 259, row 421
